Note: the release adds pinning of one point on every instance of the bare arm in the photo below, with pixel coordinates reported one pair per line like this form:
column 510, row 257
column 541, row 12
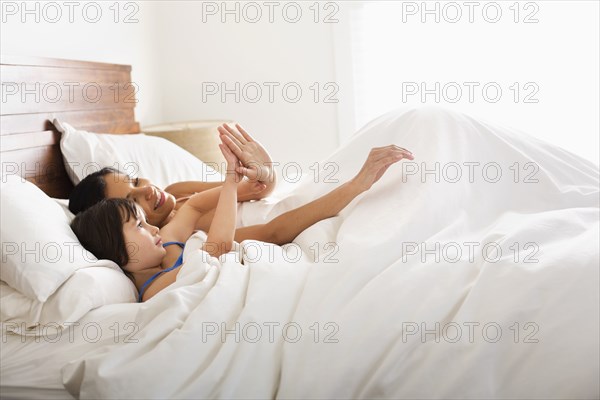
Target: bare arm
column 246, row 190
column 220, row 234
column 188, row 188
column 222, row 227
column 183, row 224
column 287, row 226
column 179, row 229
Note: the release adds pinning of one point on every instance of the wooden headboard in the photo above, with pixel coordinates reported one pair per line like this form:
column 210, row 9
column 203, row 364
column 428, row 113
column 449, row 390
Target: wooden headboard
column 93, row 96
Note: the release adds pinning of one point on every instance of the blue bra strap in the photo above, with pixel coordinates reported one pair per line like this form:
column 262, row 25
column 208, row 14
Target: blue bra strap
column 153, row 277
column 180, row 244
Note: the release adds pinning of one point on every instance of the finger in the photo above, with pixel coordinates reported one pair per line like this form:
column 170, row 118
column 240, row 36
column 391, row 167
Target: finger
column 374, row 155
column 247, row 172
column 223, row 149
column 393, row 146
column 403, row 149
column 235, row 134
column 405, row 154
column 408, row 153
column 393, row 153
column 377, row 150
column 231, row 145
column 389, row 160
column 225, row 132
column 229, row 156
column 245, row 134
column 383, row 153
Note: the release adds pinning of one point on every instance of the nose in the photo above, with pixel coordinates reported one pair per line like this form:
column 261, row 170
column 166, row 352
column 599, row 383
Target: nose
column 145, row 192
column 154, row 230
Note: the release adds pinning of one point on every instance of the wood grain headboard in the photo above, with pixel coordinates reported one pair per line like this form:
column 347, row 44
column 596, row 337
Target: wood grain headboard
column 93, row 96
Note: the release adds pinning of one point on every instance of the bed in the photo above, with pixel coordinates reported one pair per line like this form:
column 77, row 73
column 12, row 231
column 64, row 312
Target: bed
column 30, row 142
column 447, row 284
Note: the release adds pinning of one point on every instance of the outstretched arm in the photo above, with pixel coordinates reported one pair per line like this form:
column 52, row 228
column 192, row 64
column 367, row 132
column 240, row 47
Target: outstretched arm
column 287, row 226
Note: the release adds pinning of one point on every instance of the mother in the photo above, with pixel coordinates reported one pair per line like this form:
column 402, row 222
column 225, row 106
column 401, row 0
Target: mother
column 110, row 182
column 161, row 205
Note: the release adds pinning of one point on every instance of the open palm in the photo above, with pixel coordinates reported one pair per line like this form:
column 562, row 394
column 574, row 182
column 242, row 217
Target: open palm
column 257, row 164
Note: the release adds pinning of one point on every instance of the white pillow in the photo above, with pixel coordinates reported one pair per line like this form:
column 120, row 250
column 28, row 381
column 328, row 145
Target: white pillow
column 39, row 249
column 64, row 204
column 139, row 155
column 85, row 290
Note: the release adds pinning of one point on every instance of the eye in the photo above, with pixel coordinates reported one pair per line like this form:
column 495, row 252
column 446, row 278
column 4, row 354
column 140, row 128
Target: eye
column 139, row 224
column 137, row 182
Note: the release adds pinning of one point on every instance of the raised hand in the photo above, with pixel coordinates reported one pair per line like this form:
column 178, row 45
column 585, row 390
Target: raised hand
column 257, row 164
column 378, row 161
column 233, row 163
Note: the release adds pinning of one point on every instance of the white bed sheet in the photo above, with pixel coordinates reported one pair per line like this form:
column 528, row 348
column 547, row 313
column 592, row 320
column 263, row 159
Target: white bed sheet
column 17, row 393
column 367, row 296
column 31, row 366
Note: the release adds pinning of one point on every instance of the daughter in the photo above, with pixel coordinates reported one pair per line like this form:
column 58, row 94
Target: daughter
column 116, row 229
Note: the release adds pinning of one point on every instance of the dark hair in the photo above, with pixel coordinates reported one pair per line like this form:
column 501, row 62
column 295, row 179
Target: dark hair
column 90, row 190
column 100, row 229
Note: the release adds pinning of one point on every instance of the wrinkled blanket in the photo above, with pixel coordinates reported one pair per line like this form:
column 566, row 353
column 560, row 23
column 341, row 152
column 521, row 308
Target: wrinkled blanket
column 470, row 272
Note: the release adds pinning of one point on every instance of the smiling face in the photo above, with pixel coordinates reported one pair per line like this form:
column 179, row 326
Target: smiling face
column 156, row 203
column 144, row 244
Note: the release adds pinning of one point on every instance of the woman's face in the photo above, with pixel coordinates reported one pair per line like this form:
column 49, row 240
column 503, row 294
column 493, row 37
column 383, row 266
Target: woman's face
column 156, row 203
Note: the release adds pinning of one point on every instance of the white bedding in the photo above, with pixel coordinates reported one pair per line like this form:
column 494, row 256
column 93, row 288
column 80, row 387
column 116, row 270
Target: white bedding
column 30, row 366
column 363, row 302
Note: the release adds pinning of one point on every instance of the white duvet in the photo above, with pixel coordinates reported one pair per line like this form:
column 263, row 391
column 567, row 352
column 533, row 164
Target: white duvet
column 462, row 288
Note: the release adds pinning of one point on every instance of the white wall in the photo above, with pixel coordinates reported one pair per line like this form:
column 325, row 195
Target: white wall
column 173, row 53
column 550, row 49
column 197, row 55
column 103, row 41
column 177, row 48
